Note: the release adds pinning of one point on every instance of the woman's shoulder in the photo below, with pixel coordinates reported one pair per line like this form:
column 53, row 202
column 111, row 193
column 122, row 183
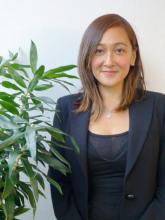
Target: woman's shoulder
column 70, row 100
column 158, row 99
column 155, row 95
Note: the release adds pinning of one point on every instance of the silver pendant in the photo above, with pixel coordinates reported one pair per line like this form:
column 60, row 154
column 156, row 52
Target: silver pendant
column 109, row 115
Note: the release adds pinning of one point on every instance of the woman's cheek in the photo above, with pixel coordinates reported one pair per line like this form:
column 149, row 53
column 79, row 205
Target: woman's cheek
column 124, row 63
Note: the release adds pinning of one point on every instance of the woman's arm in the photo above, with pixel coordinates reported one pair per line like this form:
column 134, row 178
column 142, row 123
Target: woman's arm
column 64, row 205
column 156, row 210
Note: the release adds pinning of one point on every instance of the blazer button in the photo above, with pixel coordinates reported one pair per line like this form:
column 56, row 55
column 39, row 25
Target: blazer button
column 130, row 196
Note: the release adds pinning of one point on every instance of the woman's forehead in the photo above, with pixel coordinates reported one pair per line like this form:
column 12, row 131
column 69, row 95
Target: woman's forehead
column 115, row 35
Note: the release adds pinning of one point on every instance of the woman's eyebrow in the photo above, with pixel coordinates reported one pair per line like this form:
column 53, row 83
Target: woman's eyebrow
column 115, row 44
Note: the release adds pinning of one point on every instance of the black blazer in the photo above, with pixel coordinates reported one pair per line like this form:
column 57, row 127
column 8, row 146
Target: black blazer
column 144, row 183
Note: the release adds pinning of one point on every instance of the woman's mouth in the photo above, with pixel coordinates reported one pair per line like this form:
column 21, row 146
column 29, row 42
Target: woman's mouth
column 109, row 72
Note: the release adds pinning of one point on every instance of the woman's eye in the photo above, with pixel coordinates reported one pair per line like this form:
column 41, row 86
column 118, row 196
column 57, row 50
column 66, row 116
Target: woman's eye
column 120, row 51
column 99, row 51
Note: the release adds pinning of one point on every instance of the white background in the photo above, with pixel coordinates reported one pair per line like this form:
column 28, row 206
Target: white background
column 56, row 26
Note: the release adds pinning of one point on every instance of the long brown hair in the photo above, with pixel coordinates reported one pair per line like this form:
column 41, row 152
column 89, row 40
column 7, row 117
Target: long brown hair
column 134, row 85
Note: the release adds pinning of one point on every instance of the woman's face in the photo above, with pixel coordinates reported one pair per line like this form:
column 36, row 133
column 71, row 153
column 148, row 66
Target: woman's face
column 113, row 57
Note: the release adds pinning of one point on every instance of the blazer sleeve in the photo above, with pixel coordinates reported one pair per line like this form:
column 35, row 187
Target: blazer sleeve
column 64, row 205
column 156, row 210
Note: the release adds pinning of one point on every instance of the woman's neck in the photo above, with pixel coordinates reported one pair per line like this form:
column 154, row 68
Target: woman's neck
column 111, row 97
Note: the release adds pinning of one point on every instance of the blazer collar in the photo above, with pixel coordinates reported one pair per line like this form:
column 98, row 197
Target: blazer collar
column 79, row 130
column 140, row 114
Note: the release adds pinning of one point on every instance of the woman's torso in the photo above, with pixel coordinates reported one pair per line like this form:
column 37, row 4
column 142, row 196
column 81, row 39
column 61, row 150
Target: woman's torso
column 106, row 163
column 107, row 150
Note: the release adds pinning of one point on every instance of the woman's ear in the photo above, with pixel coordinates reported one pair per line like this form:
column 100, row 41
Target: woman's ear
column 133, row 58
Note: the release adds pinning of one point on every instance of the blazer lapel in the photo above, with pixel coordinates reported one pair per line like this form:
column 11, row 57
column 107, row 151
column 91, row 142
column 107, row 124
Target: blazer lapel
column 79, row 130
column 140, row 114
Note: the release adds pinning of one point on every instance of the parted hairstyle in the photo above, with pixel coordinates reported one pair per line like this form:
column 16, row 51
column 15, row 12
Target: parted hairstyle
column 134, row 85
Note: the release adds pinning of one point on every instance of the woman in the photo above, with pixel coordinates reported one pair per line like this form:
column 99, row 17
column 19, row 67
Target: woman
column 120, row 129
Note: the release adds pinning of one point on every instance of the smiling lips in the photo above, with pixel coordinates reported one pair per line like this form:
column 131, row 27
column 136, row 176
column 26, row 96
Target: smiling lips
column 109, row 72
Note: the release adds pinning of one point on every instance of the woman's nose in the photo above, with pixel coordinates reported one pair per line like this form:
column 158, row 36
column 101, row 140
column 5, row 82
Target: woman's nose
column 109, row 59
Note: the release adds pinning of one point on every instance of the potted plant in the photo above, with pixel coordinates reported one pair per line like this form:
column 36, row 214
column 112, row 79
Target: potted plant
column 25, row 143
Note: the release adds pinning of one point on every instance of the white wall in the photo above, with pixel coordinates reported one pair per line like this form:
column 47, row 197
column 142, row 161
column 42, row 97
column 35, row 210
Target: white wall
column 57, row 27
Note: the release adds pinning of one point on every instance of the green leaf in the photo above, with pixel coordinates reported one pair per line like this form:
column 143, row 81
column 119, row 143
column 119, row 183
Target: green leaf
column 3, row 134
column 11, row 140
column 5, row 123
column 15, row 95
column 9, row 207
column 19, row 197
column 55, row 184
column 1, row 58
column 30, row 136
column 33, row 84
column 3, row 112
column 8, row 188
column 20, row 211
column 57, row 144
column 53, row 162
column 32, row 176
column 13, row 56
column 54, row 132
column 42, row 194
column 59, row 156
column 46, row 100
column 4, row 73
column 62, row 84
column 43, row 87
column 26, row 189
column 8, row 98
column 10, row 85
column 36, row 116
column 75, row 145
column 40, row 71
column 36, row 78
column 33, row 57
column 21, row 68
column 59, row 72
column 51, row 75
column 18, row 120
column 18, row 66
column 37, row 103
column 13, row 155
column 25, row 103
column 18, row 79
column 9, row 107
column 61, row 69
column 40, row 180
column 25, row 115
column 5, row 94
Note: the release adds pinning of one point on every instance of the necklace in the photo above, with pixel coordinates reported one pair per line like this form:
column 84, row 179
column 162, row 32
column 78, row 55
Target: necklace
column 109, row 114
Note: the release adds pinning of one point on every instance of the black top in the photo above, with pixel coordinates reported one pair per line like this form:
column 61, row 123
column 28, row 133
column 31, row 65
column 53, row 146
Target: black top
column 107, row 163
